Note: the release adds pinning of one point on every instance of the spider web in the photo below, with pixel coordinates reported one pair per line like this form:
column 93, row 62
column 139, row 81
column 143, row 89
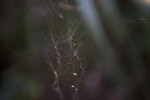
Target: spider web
column 60, row 44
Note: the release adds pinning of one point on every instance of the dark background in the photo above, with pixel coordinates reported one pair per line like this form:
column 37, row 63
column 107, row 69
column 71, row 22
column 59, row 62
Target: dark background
column 116, row 63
